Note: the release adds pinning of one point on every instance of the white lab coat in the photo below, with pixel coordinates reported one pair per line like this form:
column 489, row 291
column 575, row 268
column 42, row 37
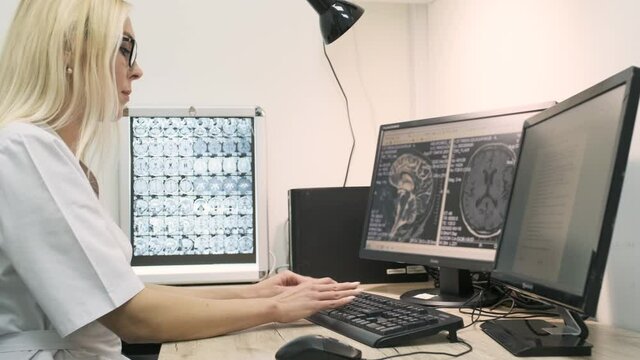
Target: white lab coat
column 63, row 262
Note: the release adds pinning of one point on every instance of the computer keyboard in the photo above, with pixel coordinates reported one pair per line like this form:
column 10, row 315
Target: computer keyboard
column 380, row 321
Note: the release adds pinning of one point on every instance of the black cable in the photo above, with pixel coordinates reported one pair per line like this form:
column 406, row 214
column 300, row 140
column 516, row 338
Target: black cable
column 477, row 301
column 524, row 314
column 469, row 349
column 486, row 313
column 529, row 303
column 353, row 137
column 478, row 307
column 434, row 273
column 502, row 301
column 495, row 315
column 532, row 307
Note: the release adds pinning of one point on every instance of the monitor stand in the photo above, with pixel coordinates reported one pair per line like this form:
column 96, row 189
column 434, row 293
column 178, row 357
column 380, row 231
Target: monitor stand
column 540, row 338
column 456, row 290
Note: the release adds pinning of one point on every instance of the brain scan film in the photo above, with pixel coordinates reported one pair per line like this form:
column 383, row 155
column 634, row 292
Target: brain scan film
column 192, row 186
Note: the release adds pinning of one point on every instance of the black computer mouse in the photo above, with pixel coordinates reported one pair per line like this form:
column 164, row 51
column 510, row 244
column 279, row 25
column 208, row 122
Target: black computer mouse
column 317, row 347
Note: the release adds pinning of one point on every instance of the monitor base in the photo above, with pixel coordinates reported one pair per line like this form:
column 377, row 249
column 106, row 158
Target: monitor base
column 528, row 338
column 436, row 298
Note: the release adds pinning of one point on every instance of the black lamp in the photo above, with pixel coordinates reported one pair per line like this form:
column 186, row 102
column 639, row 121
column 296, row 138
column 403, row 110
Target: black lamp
column 336, row 17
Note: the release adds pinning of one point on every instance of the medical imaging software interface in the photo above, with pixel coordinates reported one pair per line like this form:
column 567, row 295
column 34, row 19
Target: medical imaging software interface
column 193, row 187
column 443, row 189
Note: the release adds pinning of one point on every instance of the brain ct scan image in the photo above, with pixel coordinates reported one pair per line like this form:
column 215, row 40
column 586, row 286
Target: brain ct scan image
column 486, row 188
column 479, row 187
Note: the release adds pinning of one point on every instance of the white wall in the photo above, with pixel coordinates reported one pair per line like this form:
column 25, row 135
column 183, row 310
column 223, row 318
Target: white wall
column 269, row 53
column 484, row 54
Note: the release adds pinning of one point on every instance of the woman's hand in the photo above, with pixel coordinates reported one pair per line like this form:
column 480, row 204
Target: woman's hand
column 311, row 296
column 279, row 283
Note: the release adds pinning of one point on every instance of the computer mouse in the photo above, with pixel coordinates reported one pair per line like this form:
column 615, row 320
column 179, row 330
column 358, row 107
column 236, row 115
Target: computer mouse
column 316, row 347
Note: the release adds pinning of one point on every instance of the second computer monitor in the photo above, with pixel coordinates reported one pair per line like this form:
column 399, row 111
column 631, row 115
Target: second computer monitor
column 439, row 194
column 572, row 174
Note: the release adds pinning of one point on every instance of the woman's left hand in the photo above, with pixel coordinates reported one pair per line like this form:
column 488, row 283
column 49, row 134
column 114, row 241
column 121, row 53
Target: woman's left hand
column 277, row 284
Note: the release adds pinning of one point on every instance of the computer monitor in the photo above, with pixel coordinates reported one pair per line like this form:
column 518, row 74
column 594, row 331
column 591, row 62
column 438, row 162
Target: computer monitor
column 193, row 194
column 562, row 213
column 439, row 194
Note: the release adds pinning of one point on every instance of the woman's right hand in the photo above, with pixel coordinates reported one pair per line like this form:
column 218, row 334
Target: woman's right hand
column 309, row 297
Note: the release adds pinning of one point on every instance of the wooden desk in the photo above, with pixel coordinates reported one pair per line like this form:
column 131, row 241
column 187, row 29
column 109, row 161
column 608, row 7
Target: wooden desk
column 262, row 342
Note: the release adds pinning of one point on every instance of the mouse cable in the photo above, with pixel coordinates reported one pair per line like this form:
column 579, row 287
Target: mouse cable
column 469, row 349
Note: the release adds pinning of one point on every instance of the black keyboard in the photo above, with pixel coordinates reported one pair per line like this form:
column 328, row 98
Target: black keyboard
column 380, row 321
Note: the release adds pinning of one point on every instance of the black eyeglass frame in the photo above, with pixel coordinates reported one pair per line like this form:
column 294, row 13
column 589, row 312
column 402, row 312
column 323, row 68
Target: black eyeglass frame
column 130, row 54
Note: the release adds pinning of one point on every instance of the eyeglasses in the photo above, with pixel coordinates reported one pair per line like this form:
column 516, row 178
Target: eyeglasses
column 129, row 49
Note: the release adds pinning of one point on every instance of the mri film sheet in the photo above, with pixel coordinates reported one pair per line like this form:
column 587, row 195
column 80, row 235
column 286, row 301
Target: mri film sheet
column 193, row 187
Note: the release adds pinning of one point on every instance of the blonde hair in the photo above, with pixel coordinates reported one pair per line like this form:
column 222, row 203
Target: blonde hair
column 45, row 39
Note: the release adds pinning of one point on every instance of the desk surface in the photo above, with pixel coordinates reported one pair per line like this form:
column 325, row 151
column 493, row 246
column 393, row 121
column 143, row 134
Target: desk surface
column 262, row 342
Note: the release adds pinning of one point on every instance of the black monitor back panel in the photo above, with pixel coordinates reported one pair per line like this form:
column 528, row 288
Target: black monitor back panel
column 325, row 231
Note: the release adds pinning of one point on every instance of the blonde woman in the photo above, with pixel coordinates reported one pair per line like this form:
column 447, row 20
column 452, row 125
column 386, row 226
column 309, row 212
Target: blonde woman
column 67, row 290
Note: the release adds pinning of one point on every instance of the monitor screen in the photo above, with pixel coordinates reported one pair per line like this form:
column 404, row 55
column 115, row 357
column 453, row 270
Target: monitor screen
column 562, row 212
column 440, row 190
column 193, row 204
column 564, row 197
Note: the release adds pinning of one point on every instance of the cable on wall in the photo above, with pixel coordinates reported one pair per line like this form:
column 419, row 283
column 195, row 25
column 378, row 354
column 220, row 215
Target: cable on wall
column 346, row 100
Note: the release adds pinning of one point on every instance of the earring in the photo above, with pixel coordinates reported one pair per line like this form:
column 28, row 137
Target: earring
column 69, row 70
